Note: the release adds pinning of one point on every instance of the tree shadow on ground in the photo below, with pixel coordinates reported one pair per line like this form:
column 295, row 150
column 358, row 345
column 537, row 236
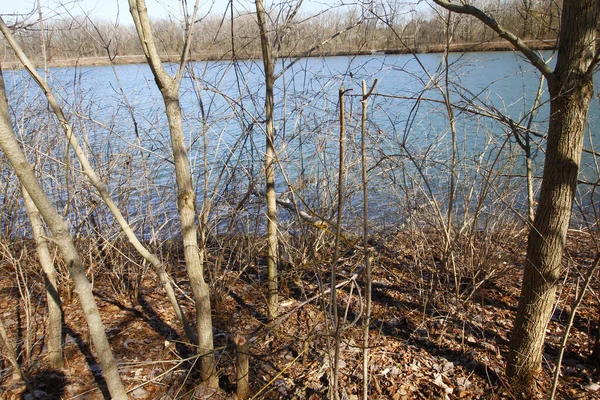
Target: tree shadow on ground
column 253, row 310
column 149, row 316
column 93, row 365
column 48, row 384
column 396, row 325
column 485, row 340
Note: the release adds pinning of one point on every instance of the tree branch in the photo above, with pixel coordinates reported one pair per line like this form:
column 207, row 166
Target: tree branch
column 189, row 27
column 139, row 12
column 488, row 20
column 315, row 47
column 595, row 61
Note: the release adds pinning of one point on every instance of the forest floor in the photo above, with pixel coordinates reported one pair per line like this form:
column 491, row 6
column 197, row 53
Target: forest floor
column 425, row 343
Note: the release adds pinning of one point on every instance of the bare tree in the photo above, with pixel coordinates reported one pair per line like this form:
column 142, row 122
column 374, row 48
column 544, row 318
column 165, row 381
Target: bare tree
column 55, row 353
column 186, row 197
column 95, row 180
column 365, row 238
column 11, row 354
column 272, row 258
column 64, row 241
column 571, row 88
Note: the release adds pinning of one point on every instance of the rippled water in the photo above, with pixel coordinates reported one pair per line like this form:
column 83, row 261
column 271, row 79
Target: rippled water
column 120, row 116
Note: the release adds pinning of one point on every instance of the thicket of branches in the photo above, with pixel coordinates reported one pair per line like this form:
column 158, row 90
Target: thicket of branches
column 260, row 175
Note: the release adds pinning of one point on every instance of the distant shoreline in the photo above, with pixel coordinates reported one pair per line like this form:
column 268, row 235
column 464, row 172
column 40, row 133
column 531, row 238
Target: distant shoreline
column 420, row 49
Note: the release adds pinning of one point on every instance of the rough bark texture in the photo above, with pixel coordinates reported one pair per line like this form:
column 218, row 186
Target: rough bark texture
column 186, row 197
column 64, row 241
column 272, row 256
column 571, row 90
column 54, row 329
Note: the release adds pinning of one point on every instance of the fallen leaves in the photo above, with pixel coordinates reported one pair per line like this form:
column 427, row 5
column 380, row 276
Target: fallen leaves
column 454, row 350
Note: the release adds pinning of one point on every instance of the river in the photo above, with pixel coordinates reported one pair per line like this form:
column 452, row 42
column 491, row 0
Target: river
column 118, row 114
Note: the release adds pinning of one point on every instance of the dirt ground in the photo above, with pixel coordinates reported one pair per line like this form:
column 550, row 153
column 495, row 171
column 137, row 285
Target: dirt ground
column 425, row 343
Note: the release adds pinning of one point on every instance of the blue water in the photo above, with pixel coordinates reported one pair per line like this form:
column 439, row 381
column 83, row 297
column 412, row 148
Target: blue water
column 409, row 144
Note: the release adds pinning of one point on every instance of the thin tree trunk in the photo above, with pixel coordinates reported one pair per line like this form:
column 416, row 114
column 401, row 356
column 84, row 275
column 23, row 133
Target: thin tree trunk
column 54, row 329
column 449, row 230
column 576, row 303
column 11, row 354
column 334, row 315
column 242, row 367
column 270, row 153
column 64, row 241
column 194, row 258
column 366, row 255
column 272, row 247
column 186, row 197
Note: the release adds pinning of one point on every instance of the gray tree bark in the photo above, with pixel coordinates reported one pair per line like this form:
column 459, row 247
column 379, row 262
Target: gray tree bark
column 54, row 328
column 186, row 197
column 571, row 89
column 64, row 241
column 272, row 240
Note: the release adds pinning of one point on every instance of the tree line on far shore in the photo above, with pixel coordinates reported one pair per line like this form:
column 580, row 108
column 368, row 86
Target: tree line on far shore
column 393, row 26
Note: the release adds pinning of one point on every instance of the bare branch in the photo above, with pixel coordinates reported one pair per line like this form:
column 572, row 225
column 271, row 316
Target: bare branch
column 315, row 47
column 488, row 20
column 139, row 12
column 189, row 27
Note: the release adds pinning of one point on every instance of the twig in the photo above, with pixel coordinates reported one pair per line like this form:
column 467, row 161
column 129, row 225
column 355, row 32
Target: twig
column 576, row 305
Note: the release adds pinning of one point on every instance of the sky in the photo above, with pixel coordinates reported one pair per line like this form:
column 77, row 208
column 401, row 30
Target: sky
column 112, row 9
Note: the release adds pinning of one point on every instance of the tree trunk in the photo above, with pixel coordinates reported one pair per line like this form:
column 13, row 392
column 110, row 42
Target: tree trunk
column 11, row 354
column 54, row 329
column 186, row 197
column 272, row 256
column 194, row 258
column 367, row 253
column 571, row 89
column 242, row 367
column 64, row 241
column 594, row 358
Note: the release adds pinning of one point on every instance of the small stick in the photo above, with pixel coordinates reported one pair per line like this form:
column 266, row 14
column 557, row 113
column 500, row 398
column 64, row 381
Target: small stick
column 242, row 349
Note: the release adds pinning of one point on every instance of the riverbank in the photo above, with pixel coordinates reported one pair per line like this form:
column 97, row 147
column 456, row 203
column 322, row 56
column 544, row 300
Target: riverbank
column 498, row 45
column 426, row 342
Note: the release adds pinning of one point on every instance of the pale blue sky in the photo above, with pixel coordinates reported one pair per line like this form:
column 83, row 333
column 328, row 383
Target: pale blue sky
column 109, row 9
